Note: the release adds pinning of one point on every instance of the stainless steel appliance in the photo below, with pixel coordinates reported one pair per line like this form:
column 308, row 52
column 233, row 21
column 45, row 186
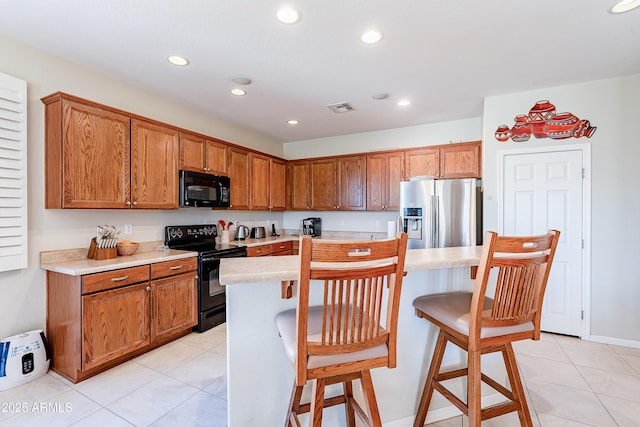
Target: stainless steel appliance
column 211, row 294
column 258, row 233
column 441, row 213
column 242, row 232
column 204, row 190
column 312, row 226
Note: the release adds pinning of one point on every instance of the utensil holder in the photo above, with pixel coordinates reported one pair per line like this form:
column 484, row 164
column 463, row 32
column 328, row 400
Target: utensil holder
column 224, row 236
column 96, row 253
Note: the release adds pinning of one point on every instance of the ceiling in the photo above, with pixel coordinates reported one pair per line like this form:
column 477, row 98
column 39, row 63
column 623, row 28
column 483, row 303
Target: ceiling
column 444, row 56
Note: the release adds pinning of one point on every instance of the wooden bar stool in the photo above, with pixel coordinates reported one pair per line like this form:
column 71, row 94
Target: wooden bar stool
column 349, row 334
column 479, row 324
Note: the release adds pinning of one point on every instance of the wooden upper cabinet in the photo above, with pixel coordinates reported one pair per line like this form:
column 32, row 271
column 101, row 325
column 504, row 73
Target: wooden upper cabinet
column 461, row 160
column 352, row 176
column 323, row 181
column 259, row 188
column 298, row 185
column 422, row 162
column 200, row 154
column 154, row 166
column 239, row 175
column 277, row 184
column 87, row 155
column 338, row 183
column 384, row 173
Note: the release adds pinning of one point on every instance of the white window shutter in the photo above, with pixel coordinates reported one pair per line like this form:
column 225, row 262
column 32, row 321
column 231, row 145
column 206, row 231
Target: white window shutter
column 13, row 173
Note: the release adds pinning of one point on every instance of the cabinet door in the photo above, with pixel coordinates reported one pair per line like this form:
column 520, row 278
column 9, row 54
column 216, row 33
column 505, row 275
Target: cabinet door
column 352, row 176
column 114, row 323
column 95, row 158
column 174, row 305
column 154, row 166
column 277, row 185
column 393, row 176
column 192, row 152
column 215, row 158
column 461, row 161
column 422, row 162
column 259, row 177
column 239, row 175
column 323, row 184
column 384, row 173
column 298, row 185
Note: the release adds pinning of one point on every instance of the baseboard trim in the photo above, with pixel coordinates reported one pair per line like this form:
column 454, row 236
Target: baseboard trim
column 444, row 413
column 614, row 341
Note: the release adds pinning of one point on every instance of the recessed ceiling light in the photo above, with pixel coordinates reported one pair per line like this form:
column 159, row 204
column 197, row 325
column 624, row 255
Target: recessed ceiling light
column 238, row 92
column 293, row 122
column 242, row 80
column 288, row 15
column 178, row 60
column 379, row 96
column 371, row 37
column 404, row 103
column 624, row 6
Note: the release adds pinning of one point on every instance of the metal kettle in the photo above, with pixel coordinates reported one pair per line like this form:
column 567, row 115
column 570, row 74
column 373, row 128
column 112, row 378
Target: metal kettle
column 242, row 232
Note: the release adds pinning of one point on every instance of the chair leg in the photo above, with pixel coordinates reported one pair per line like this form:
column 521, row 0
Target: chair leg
column 370, row 399
column 294, row 406
column 427, row 392
column 516, row 385
column 474, row 382
column 348, row 406
column 317, row 402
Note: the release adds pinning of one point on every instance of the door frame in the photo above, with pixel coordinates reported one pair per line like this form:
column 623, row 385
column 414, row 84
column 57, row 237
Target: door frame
column 585, row 149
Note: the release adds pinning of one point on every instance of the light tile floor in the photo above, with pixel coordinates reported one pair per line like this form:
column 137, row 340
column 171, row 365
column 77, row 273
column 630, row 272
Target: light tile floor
column 569, row 383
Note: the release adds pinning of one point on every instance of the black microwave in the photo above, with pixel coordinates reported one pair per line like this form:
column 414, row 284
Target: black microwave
column 203, row 190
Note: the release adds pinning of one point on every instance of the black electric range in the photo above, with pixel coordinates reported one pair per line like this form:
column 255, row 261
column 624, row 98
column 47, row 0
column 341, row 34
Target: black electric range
column 211, row 296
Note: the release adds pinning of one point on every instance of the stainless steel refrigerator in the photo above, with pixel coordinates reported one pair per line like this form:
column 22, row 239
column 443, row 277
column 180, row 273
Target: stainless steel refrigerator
column 441, row 213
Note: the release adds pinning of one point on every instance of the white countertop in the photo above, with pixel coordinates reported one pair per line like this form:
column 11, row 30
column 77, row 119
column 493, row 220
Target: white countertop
column 79, row 267
column 277, row 268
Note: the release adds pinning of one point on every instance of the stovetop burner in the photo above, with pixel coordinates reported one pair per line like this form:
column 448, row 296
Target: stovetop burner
column 200, row 238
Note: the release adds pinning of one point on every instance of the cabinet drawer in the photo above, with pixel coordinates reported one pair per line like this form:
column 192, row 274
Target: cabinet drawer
column 114, row 279
column 261, row 250
column 170, row 268
column 282, row 248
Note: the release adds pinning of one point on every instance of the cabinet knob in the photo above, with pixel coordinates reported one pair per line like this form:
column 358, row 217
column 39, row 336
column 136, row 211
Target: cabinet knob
column 135, row 203
column 148, row 288
column 128, row 202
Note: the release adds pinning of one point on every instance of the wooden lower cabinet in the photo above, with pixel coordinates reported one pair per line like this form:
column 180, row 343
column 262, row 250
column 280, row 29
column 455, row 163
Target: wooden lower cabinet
column 114, row 323
column 97, row 321
column 273, row 249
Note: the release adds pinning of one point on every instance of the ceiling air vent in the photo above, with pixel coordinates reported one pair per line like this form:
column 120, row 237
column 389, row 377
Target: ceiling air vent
column 342, row 107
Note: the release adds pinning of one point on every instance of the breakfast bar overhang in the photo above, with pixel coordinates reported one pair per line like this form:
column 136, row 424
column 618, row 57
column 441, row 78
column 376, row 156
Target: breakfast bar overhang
column 259, row 373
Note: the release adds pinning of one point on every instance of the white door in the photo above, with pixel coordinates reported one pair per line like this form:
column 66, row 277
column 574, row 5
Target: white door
column 542, row 191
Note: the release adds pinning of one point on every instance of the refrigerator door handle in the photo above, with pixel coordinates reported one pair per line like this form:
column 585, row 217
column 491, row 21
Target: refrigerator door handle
column 436, row 221
column 400, row 224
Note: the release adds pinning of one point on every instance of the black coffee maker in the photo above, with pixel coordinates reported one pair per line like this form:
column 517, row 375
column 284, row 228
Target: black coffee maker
column 311, row 226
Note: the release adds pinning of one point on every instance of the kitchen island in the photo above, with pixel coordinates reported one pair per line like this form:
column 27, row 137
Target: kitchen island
column 260, row 376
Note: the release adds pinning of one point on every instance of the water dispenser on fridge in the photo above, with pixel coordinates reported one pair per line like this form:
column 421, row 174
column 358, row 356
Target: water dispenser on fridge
column 412, row 222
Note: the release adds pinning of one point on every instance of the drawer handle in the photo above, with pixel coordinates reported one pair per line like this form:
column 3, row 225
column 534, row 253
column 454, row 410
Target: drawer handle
column 175, row 267
column 119, row 279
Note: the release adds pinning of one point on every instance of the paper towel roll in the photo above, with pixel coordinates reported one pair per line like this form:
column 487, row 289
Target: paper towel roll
column 391, row 229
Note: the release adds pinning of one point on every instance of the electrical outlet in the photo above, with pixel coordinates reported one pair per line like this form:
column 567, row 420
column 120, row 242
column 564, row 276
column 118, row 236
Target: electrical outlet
column 342, row 222
column 128, row 229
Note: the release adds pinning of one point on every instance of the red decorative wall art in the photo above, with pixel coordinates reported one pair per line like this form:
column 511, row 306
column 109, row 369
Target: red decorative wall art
column 543, row 122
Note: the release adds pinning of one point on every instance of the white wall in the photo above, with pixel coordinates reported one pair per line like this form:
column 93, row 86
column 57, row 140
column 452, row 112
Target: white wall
column 613, row 106
column 22, row 305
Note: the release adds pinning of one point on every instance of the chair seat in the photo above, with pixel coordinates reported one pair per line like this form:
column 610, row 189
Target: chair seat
column 286, row 325
column 452, row 309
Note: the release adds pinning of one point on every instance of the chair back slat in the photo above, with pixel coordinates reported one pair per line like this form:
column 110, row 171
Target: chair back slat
column 522, row 265
column 353, row 277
